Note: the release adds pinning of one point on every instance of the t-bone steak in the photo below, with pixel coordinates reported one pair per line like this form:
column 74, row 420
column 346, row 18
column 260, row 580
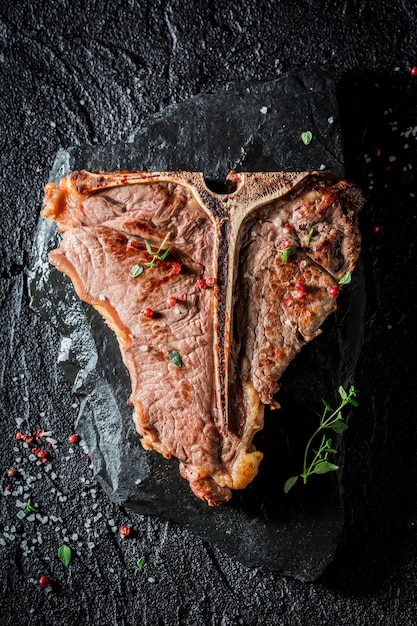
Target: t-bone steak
column 210, row 295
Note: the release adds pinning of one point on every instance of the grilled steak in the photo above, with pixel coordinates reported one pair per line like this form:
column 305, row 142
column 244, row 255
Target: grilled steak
column 210, row 295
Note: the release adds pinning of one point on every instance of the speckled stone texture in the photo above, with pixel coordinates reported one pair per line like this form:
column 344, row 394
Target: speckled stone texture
column 90, row 74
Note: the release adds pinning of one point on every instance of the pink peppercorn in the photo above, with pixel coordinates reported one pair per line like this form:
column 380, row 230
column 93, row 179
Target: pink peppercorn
column 124, row 531
column 44, row 582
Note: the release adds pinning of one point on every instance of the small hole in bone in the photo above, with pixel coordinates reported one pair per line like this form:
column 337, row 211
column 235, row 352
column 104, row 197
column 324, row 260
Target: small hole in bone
column 223, row 186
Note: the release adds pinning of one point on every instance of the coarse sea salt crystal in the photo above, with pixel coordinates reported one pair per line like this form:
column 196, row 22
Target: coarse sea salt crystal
column 20, row 514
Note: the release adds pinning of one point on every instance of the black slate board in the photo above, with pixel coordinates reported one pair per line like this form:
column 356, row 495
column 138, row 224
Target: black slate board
column 247, row 127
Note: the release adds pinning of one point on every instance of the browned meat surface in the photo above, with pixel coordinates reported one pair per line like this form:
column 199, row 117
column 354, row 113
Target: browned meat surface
column 210, row 324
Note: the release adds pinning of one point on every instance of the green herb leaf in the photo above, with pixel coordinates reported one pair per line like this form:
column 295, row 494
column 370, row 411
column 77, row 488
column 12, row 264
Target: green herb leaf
column 164, row 255
column 324, row 466
column 326, row 405
column 140, row 562
column 286, row 253
column 64, row 553
column 342, row 393
column 306, row 137
column 308, row 237
column 346, row 279
column 137, row 270
column 148, row 247
column 175, row 358
column 29, row 508
column 290, row 483
column 339, row 426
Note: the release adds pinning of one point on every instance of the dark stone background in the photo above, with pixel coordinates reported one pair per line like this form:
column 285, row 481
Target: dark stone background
column 77, row 73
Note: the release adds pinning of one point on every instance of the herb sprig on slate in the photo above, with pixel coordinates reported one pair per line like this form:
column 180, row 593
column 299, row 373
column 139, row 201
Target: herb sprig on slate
column 316, row 461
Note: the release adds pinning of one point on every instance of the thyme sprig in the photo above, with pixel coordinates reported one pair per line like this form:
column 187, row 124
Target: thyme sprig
column 29, row 508
column 286, row 253
column 156, row 256
column 329, row 420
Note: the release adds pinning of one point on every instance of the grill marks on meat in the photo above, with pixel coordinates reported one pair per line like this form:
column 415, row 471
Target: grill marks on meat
column 235, row 338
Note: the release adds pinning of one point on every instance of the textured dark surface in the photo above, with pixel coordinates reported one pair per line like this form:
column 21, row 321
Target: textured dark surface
column 92, row 74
